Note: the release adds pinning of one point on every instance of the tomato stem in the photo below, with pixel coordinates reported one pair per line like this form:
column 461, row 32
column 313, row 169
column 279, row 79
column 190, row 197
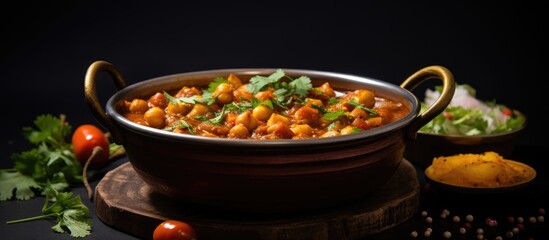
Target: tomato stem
column 97, row 150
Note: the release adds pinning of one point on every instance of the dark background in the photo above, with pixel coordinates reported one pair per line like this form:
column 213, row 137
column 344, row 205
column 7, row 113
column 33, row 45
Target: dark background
column 499, row 48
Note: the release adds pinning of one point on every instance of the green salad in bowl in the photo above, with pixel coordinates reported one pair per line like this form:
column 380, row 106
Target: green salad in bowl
column 467, row 125
column 466, row 115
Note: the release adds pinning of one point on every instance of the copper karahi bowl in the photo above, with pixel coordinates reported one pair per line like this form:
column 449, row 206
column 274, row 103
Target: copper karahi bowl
column 265, row 175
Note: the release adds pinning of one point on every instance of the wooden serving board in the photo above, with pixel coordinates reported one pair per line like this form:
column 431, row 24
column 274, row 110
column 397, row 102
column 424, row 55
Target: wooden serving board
column 123, row 201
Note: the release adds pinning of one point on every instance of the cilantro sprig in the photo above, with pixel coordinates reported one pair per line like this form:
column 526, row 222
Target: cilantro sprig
column 71, row 214
column 50, row 161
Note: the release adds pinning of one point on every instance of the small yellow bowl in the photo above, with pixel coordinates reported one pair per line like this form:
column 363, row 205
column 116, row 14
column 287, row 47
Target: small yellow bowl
column 450, row 186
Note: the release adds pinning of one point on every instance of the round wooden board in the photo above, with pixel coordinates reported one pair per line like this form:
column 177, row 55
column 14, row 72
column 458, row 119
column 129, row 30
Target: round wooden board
column 123, row 201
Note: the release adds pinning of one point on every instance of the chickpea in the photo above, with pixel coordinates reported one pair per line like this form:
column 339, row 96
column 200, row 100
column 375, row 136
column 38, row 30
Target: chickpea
column 359, row 113
column 275, row 118
column 224, row 93
column 223, row 88
column 188, row 92
column 217, row 130
column 264, row 95
column 139, row 106
column 225, row 98
column 327, row 90
column 234, row 80
column 330, row 133
column 198, row 110
column 280, row 130
column 365, row 97
column 246, row 119
column 158, row 100
column 242, row 93
column 336, row 126
column 374, row 122
column 262, row 112
column 303, row 130
column 155, row 117
column 307, row 115
column 178, row 108
column 313, row 101
column 347, row 130
column 238, row 131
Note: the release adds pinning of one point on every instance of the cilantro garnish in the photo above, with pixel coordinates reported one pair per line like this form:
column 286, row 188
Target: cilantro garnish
column 283, row 91
column 333, row 101
column 192, row 100
column 261, row 83
column 71, row 214
column 331, row 116
column 256, row 102
column 370, row 111
column 301, row 86
column 182, row 124
column 231, row 107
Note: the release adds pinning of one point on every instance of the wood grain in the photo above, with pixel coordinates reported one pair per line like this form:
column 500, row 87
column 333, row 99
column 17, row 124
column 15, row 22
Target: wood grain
column 124, row 202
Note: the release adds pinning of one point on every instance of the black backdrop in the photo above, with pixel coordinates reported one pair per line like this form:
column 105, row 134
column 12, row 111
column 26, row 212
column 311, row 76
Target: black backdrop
column 499, row 48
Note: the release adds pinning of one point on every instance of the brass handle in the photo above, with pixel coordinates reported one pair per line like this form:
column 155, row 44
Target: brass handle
column 448, row 88
column 91, row 94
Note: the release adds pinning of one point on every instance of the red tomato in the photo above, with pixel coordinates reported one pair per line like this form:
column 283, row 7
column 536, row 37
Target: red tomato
column 84, row 139
column 174, row 230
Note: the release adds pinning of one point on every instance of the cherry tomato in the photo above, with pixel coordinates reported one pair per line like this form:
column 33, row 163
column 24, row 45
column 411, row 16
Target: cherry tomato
column 84, row 139
column 174, row 230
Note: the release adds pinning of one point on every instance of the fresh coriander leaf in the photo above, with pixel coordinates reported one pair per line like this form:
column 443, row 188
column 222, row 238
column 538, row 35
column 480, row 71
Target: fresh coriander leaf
column 301, row 86
column 318, row 91
column 71, row 214
column 319, row 108
column 370, row 111
column 331, row 116
column 282, row 92
column 58, row 181
column 171, row 99
column 332, row 101
column 186, row 125
column 49, row 129
column 15, row 184
column 356, row 130
column 256, row 102
column 280, row 102
column 26, row 162
column 260, row 83
column 207, row 99
column 268, row 103
column 219, row 116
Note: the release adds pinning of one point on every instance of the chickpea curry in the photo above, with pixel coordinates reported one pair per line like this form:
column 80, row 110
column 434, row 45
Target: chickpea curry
column 268, row 107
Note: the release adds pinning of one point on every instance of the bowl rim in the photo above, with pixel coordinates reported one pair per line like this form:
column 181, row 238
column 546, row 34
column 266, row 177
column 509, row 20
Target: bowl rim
column 388, row 88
